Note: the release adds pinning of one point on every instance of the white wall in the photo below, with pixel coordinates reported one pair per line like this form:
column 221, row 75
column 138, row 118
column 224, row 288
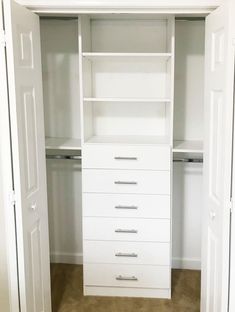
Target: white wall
column 59, row 40
column 188, row 125
column 60, row 70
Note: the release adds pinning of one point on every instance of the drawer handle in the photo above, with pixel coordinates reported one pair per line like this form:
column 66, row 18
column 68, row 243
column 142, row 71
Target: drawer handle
column 122, row 254
column 126, row 231
column 125, row 158
column 126, row 207
column 125, row 182
column 126, row 278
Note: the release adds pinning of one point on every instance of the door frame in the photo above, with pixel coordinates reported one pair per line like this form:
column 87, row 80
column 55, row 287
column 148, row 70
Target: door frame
column 7, row 183
column 9, row 253
column 232, row 222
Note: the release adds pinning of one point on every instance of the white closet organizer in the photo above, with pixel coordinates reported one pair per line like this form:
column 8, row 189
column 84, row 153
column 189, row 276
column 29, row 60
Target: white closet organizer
column 124, row 92
column 124, row 67
column 126, row 98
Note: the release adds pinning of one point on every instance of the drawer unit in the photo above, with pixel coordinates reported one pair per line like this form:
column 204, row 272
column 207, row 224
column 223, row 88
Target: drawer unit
column 126, row 181
column 126, row 252
column 126, row 229
column 126, row 205
column 126, row 157
column 122, row 275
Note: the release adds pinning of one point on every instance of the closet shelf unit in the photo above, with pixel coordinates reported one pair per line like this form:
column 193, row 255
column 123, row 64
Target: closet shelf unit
column 96, row 56
column 129, row 100
column 128, row 139
column 63, row 144
column 127, row 70
column 188, row 147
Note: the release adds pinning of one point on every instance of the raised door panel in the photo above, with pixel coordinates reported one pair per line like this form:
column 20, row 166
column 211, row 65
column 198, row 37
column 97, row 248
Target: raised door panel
column 219, row 84
column 28, row 149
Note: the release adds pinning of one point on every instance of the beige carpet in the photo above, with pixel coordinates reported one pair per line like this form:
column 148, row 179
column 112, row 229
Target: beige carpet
column 67, row 294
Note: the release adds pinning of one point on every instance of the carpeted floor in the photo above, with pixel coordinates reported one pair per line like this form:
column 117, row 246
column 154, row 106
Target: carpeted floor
column 67, row 294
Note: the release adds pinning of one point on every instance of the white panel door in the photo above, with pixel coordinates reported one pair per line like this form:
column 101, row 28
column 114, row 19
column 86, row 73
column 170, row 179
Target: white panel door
column 28, row 148
column 217, row 158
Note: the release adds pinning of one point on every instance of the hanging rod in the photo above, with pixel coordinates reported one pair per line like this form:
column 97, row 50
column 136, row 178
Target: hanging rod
column 188, row 160
column 70, row 157
column 76, row 157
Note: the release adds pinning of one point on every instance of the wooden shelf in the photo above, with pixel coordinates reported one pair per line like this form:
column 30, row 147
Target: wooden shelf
column 128, row 139
column 129, row 100
column 63, row 143
column 188, row 147
column 115, row 56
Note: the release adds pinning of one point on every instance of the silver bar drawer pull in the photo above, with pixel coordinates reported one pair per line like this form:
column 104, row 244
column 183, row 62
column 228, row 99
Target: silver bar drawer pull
column 125, row 158
column 126, row 231
column 126, row 278
column 125, row 182
column 122, row 254
column 126, row 207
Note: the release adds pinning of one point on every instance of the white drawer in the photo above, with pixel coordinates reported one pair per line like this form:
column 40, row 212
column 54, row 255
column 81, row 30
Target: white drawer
column 126, row 252
column 126, row 157
column 126, row 181
column 126, row 229
column 126, row 205
column 122, row 275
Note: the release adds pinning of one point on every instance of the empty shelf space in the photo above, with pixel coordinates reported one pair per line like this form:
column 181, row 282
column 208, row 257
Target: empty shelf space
column 188, row 147
column 128, row 139
column 63, row 143
column 131, row 100
column 115, row 56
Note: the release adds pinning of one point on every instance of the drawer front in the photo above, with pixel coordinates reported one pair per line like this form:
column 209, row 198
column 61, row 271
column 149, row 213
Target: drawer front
column 126, row 157
column 126, row 252
column 122, row 275
column 126, row 181
column 126, row 205
column 126, row 229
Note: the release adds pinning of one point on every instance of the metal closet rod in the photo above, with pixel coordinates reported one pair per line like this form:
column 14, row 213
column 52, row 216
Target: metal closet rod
column 67, row 157
column 76, row 157
column 188, row 160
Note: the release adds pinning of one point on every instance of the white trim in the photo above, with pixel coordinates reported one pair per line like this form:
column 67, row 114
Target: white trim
column 7, row 209
column 121, row 6
column 65, row 257
column 186, row 263
column 127, row 292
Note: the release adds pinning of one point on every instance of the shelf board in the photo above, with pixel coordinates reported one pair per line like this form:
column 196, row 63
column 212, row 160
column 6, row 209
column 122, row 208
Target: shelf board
column 63, row 143
column 128, row 139
column 99, row 55
column 129, row 100
column 188, row 147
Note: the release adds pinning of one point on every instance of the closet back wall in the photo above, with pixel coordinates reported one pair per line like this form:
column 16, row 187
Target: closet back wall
column 188, row 125
column 59, row 39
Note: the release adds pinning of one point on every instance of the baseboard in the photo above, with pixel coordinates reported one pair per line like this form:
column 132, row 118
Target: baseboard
column 186, row 263
column 77, row 258
column 127, row 292
column 65, row 257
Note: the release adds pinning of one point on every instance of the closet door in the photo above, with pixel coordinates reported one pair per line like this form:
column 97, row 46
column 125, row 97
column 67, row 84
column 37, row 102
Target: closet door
column 219, row 83
column 28, row 150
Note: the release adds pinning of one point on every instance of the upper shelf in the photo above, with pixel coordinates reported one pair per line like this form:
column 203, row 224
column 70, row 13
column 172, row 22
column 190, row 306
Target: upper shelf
column 115, row 56
column 188, row 147
column 129, row 100
column 63, row 143
column 128, row 139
